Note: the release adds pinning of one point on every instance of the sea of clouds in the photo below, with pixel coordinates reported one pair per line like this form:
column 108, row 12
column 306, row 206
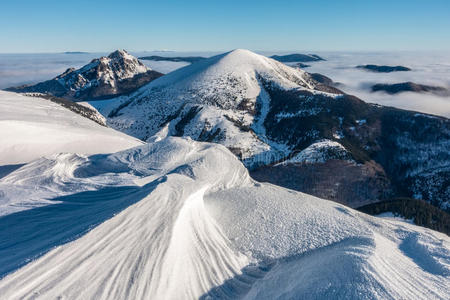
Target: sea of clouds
column 431, row 68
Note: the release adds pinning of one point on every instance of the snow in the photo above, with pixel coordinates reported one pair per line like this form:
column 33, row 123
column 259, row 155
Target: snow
column 361, row 122
column 338, row 134
column 164, row 66
column 33, row 127
column 106, row 70
column 132, row 65
column 320, row 152
column 186, row 221
column 305, row 112
column 226, row 87
column 393, row 217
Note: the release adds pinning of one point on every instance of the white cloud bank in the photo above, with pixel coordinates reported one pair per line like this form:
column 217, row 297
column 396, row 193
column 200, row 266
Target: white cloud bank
column 427, row 68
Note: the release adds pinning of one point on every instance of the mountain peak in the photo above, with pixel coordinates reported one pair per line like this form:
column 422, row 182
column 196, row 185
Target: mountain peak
column 243, row 67
column 224, row 94
column 104, row 77
column 242, row 58
column 120, row 53
column 241, row 53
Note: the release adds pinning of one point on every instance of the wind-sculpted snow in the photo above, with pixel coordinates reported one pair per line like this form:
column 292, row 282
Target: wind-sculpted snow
column 179, row 219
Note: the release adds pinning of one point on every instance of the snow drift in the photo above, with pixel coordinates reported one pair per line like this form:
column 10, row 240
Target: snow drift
column 192, row 224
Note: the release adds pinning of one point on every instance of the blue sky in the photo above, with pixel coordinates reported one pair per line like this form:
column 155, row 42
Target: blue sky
column 54, row 26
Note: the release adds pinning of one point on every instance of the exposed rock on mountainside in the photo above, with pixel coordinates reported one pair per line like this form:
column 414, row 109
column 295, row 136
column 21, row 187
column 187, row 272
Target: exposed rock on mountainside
column 383, row 69
column 322, row 78
column 105, row 77
column 410, row 87
column 297, row 58
column 266, row 112
column 410, row 150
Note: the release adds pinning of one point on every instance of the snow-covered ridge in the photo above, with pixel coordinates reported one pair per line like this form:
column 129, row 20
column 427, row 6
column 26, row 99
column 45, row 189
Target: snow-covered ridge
column 197, row 225
column 32, row 127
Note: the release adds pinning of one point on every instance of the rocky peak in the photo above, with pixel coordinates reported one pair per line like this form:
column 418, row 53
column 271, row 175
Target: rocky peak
column 103, row 77
column 119, row 53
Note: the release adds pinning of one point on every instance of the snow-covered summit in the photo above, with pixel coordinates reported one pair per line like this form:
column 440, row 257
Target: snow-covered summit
column 118, row 65
column 103, row 77
column 221, row 99
column 227, row 79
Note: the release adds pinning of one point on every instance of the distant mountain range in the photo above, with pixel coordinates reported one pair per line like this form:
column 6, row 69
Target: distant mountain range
column 267, row 113
column 397, row 88
column 297, row 58
column 282, row 58
column 116, row 74
column 75, row 52
column 383, row 69
column 189, row 59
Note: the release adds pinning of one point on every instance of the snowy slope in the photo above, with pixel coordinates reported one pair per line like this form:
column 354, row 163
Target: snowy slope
column 32, row 127
column 266, row 113
column 192, row 223
column 219, row 99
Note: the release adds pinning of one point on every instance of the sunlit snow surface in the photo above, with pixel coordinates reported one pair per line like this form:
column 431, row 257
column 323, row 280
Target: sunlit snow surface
column 34, row 128
column 186, row 221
